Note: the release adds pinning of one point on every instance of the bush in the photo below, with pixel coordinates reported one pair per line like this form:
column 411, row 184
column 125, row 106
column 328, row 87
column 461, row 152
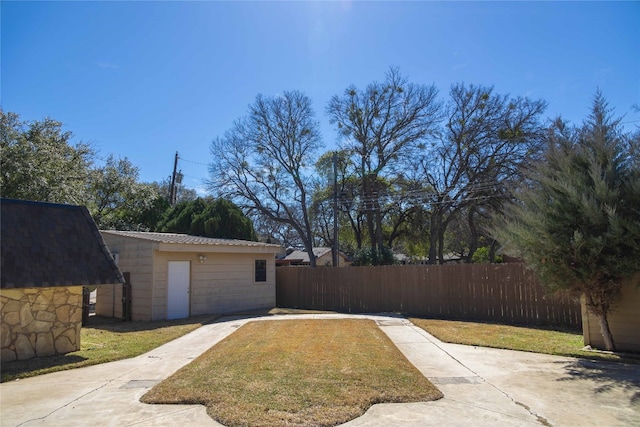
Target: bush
column 481, row 256
column 367, row 256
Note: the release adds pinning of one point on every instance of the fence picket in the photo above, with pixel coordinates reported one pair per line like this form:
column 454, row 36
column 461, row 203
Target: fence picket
column 506, row 293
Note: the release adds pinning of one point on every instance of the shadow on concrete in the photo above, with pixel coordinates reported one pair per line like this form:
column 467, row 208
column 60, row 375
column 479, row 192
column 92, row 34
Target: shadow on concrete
column 118, row 325
column 11, row 370
column 606, row 375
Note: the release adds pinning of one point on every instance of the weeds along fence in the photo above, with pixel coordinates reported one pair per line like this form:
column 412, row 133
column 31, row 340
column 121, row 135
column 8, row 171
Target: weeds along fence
column 506, row 293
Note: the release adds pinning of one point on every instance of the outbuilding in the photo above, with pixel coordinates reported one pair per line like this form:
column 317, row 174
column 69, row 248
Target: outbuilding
column 172, row 276
column 49, row 253
column 624, row 320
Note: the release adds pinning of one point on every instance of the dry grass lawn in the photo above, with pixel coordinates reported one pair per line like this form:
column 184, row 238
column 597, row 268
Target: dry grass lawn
column 105, row 340
column 561, row 342
column 296, row 372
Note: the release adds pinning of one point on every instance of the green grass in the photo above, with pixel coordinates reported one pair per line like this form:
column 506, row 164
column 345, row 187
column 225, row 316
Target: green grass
column 561, row 342
column 296, row 372
column 106, row 340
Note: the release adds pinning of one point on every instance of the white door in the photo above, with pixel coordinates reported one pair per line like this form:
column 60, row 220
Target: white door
column 178, row 289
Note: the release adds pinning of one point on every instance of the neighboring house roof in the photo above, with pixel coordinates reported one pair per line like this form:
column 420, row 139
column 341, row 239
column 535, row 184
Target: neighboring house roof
column 303, row 256
column 50, row 245
column 185, row 239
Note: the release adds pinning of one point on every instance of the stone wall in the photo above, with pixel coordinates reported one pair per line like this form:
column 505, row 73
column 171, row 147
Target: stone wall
column 39, row 322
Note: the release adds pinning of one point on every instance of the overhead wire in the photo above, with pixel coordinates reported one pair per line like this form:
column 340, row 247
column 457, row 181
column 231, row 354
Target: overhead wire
column 424, row 195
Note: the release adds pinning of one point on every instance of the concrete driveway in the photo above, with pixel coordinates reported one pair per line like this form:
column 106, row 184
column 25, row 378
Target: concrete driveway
column 481, row 386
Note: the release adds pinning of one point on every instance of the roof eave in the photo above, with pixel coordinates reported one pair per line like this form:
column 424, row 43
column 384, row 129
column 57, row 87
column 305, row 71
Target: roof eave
column 222, row 248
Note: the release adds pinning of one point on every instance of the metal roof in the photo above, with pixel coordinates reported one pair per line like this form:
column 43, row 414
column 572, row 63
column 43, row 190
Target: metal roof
column 186, row 239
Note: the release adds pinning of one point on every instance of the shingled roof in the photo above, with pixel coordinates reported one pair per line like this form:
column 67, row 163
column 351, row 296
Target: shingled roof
column 51, row 245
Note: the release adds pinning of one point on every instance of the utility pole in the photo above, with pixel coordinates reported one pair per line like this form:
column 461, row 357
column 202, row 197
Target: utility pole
column 172, row 191
column 334, row 250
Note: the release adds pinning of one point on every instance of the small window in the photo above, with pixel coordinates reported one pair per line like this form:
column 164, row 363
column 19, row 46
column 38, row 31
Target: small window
column 261, row 270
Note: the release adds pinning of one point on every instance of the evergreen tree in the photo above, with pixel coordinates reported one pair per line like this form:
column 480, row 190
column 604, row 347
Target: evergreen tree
column 40, row 163
column 218, row 218
column 577, row 225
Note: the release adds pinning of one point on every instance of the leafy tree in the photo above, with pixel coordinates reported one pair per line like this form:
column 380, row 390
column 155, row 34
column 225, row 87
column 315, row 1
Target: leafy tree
column 352, row 230
column 218, row 218
column 377, row 125
column 39, row 163
column 395, row 212
column 366, row 256
column 483, row 256
column 116, row 199
column 470, row 231
column 577, row 225
column 183, row 194
column 262, row 163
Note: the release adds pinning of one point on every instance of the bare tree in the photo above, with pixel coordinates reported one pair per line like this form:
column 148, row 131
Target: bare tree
column 348, row 204
column 262, row 163
column 486, row 141
column 378, row 125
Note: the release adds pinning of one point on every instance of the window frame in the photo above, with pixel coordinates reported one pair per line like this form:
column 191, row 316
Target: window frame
column 256, row 270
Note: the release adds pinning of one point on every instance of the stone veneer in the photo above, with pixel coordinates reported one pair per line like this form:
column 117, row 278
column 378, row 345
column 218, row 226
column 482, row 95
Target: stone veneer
column 39, row 322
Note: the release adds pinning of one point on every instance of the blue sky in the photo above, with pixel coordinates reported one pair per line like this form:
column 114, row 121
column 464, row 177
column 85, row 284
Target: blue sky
column 146, row 79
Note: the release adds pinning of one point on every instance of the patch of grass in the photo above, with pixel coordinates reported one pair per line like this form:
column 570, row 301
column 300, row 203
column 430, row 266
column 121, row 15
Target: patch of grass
column 281, row 311
column 561, row 342
column 296, row 372
column 106, row 340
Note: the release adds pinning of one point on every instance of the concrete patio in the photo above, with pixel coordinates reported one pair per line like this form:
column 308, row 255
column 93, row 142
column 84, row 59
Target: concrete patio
column 482, row 386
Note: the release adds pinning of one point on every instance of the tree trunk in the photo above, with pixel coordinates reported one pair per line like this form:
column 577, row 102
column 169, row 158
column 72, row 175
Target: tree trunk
column 378, row 218
column 473, row 235
column 356, row 228
column 492, row 251
column 369, row 212
column 606, row 333
column 441, row 246
column 433, row 238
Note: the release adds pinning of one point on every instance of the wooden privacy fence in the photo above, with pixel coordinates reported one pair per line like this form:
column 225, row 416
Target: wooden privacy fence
column 506, row 293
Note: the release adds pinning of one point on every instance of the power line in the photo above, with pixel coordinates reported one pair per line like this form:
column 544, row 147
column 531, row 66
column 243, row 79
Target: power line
column 191, row 161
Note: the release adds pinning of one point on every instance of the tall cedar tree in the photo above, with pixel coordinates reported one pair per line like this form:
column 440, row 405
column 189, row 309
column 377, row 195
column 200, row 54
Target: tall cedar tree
column 577, row 225
column 218, row 218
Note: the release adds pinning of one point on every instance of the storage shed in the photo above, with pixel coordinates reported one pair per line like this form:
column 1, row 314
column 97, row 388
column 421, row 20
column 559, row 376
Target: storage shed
column 49, row 252
column 174, row 276
column 624, row 321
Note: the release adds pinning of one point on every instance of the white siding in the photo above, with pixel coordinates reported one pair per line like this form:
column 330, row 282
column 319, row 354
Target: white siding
column 136, row 258
column 223, row 283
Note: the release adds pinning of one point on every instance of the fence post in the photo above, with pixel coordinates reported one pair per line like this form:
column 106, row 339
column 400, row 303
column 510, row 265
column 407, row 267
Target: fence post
column 503, row 293
column 126, row 297
column 86, row 295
